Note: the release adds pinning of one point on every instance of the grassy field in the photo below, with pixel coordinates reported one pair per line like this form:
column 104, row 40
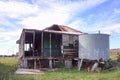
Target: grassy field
column 7, row 67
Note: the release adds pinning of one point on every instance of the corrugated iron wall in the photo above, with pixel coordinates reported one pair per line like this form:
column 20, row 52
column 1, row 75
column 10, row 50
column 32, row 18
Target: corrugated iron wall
column 94, row 46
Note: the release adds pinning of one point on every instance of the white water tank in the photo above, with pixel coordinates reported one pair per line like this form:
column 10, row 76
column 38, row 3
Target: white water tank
column 94, row 46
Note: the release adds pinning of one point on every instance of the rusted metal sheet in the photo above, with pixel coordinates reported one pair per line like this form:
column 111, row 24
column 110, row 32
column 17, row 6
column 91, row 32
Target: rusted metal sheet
column 69, row 44
column 62, row 29
column 69, row 39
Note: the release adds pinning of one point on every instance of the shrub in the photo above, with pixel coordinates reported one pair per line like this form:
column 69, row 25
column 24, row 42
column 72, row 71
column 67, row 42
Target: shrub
column 110, row 64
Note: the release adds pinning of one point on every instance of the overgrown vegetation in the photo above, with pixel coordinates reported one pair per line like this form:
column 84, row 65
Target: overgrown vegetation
column 7, row 69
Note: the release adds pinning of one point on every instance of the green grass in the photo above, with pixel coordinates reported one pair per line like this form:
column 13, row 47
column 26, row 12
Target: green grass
column 7, row 63
column 7, row 66
column 113, row 55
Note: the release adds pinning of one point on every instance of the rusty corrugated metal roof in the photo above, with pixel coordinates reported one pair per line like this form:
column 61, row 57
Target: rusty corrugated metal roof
column 59, row 29
column 62, row 29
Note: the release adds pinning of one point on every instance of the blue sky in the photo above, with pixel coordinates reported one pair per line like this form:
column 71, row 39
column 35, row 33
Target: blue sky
column 85, row 15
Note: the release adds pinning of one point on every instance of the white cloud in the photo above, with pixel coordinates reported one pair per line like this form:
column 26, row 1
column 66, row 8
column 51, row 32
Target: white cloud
column 45, row 12
column 117, row 11
column 8, row 42
column 38, row 15
column 109, row 29
column 72, row 6
column 16, row 9
column 10, row 33
column 57, row 12
column 9, row 38
column 2, row 29
column 79, row 25
column 115, row 28
column 45, row 19
column 5, row 22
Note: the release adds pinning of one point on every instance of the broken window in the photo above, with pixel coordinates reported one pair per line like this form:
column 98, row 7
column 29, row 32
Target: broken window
column 28, row 45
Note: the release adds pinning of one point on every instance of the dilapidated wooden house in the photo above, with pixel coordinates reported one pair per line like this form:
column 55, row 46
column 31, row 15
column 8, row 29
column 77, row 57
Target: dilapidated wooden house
column 49, row 47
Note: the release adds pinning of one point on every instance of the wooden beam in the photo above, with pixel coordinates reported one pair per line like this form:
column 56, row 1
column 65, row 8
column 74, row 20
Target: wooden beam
column 50, row 64
column 35, row 64
column 23, row 44
column 50, row 60
column 50, row 45
column 33, row 43
column 25, row 63
column 80, row 64
column 42, row 43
